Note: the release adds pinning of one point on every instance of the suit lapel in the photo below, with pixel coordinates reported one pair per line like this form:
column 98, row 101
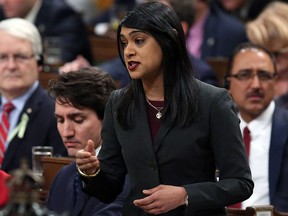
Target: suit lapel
column 278, row 140
column 142, row 129
column 31, row 107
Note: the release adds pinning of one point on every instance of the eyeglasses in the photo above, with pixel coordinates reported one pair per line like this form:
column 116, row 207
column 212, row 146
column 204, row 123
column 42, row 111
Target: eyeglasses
column 245, row 75
column 18, row 58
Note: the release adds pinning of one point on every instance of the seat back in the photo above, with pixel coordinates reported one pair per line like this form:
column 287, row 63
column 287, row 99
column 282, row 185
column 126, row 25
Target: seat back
column 263, row 210
column 51, row 165
column 219, row 66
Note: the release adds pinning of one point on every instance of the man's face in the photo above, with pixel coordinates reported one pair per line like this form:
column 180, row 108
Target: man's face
column 18, row 65
column 252, row 96
column 77, row 126
column 16, row 8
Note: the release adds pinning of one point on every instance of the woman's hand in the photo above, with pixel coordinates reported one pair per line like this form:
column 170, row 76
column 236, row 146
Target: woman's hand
column 162, row 199
column 87, row 160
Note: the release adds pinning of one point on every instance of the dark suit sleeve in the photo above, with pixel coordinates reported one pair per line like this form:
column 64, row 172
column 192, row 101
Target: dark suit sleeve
column 110, row 181
column 235, row 182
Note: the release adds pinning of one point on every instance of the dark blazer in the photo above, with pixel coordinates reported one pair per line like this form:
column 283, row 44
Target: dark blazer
column 282, row 101
column 278, row 160
column 222, row 33
column 61, row 197
column 41, row 130
column 185, row 157
column 119, row 72
column 56, row 18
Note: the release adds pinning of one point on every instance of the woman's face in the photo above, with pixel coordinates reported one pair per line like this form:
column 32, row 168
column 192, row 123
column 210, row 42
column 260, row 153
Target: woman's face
column 142, row 54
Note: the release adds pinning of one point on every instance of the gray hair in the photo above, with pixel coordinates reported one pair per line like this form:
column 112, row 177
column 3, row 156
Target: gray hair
column 23, row 29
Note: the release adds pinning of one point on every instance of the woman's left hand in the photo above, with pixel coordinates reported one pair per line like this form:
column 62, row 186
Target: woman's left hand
column 162, row 199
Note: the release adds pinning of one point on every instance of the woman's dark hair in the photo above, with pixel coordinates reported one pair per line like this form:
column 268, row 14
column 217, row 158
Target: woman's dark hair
column 180, row 88
column 86, row 88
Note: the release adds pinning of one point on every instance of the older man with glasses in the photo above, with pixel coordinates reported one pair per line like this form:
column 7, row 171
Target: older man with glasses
column 26, row 110
column 251, row 78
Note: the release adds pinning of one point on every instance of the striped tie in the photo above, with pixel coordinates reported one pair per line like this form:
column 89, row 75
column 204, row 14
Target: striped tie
column 4, row 128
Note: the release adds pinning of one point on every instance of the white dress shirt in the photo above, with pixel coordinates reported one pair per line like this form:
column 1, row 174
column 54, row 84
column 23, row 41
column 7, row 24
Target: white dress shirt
column 260, row 131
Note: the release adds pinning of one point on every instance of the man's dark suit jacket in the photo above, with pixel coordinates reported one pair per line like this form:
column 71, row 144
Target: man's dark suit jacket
column 119, row 72
column 62, row 198
column 41, row 130
column 178, row 156
column 222, row 33
column 278, row 160
column 56, row 18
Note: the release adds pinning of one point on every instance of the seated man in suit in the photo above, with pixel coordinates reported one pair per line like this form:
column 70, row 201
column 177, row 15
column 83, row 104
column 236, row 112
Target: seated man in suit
column 214, row 33
column 53, row 18
column 251, row 78
column 185, row 11
column 29, row 121
column 81, row 97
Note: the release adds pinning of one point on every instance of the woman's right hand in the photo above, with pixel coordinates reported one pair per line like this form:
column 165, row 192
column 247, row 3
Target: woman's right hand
column 87, row 160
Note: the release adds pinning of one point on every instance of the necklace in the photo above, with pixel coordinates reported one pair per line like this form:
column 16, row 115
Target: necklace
column 158, row 114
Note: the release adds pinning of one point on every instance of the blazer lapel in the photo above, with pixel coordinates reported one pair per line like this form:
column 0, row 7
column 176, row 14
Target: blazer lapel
column 143, row 128
column 163, row 130
column 278, row 140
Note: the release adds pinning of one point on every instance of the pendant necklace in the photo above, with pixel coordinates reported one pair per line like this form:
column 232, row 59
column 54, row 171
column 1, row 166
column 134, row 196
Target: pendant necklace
column 158, row 114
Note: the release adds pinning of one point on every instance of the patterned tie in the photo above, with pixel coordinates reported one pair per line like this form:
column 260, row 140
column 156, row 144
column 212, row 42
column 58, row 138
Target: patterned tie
column 76, row 187
column 247, row 140
column 4, row 128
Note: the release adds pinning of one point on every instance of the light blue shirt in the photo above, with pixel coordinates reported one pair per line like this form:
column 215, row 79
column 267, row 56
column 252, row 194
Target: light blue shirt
column 19, row 104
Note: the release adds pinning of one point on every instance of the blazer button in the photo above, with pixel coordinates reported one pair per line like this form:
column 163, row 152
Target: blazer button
column 211, row 41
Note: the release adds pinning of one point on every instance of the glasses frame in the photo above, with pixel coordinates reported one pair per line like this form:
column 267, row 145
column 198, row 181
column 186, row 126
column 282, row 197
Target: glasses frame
column 240, row 75
column 18, row 58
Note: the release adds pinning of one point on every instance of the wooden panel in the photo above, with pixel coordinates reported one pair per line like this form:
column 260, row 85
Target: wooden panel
column 44, row 78
column 103, row 48
column 51, row 165
column 219, row 66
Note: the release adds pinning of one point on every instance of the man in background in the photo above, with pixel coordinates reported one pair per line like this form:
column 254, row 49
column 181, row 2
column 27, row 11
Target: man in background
column 54, row 19
column 251, row 79
column 27, row 112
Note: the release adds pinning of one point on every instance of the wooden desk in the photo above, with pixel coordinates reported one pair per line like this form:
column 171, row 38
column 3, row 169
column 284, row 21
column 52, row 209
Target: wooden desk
column 261, row 210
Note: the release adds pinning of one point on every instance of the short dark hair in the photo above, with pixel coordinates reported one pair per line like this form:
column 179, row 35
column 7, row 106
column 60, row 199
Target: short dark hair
column 249, row 45
column 239, row 48
column 87, row 88
column 185, row 10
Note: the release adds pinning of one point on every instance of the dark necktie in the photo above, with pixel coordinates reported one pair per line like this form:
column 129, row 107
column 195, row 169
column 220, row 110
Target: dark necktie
column 76, row 187
column 4, row 128
column 247, row 140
